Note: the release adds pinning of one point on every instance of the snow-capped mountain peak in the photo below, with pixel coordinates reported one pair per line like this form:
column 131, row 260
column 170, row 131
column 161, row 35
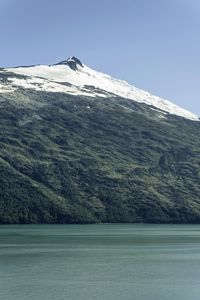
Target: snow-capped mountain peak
column 72, row 77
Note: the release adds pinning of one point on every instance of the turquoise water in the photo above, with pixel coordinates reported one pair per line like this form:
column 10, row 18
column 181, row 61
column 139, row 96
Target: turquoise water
column 100, row 262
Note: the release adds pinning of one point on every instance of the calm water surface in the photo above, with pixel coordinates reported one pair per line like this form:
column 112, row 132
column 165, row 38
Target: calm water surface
column 100, row 262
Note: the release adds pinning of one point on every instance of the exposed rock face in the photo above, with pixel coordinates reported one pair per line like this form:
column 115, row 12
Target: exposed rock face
column 72, row 62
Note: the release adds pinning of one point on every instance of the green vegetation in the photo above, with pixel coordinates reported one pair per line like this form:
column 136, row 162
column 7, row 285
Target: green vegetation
column 67, row 159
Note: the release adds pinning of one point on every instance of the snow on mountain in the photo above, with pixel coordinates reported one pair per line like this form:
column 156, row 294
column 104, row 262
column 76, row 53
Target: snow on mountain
column 40, row 84
column 72, row 71
column 6, row 88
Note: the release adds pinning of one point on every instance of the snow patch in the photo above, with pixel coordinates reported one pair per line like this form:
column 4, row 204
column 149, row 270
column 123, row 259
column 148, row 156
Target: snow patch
column 39, row 84
column 6, row 88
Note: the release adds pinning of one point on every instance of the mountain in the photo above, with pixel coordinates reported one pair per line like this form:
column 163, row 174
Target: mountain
column 78, row 146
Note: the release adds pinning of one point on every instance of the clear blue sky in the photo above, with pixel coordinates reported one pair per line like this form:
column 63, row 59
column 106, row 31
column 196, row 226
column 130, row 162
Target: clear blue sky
column 153, row 44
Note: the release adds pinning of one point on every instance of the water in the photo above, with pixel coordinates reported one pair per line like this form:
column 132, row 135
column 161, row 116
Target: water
column 100, row 262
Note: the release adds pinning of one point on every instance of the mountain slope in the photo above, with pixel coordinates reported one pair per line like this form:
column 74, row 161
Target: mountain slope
column 84, row 154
